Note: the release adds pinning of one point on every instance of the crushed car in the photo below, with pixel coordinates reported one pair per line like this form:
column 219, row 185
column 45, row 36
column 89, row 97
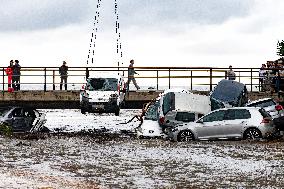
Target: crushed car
column 228, row 93
column 170, row 108
column 227, row 123
column 102, row 94
column 22, row 119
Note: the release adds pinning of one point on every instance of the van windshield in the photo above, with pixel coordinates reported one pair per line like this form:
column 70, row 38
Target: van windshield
column 102, row 84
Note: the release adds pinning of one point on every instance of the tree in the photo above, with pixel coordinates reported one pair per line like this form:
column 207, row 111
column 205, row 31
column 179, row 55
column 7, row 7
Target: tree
column 280, row 48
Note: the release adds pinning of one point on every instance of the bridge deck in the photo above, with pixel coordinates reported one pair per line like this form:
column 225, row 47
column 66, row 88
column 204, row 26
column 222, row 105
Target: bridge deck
column 71, row 99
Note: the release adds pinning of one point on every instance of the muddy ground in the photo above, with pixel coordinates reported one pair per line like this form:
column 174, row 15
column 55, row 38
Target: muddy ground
column 111, row 160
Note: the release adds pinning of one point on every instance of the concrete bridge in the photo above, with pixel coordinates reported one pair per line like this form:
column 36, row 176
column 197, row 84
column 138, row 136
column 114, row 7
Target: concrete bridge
column 71, row 99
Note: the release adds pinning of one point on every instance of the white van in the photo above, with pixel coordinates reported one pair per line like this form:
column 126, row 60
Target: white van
column 102, row 94
column 160, row 115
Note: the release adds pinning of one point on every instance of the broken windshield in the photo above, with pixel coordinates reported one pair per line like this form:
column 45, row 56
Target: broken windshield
column 102, row 84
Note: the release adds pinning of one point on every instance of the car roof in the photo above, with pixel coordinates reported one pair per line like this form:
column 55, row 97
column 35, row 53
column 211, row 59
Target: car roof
column 259, row 100
column 247, row 108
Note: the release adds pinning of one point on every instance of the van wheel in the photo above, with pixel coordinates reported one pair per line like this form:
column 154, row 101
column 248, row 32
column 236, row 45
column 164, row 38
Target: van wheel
column 185, row 136
column 252, row 134
column 116, row 113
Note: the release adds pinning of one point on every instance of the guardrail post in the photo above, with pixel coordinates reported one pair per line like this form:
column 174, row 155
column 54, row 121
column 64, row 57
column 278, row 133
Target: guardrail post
column 157, row 80
column 44, row 79
column 169, row 78
column 191, row 80
column 251, row 79
column 210, row 79
column 3, row 79
column 87, row 73
column 53, row 76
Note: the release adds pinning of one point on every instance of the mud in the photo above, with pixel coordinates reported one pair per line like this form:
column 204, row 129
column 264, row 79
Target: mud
column 107, row 159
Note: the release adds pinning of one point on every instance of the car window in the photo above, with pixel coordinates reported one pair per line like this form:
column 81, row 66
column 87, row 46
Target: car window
column 152, row 112
column 214, row 116
column 3, row 111
column 29, row 113
column 185, row 116
column 233, row 114
column 168, row 102
column 263, row 104
column 102, row 84
column 17, row 112
column 264, row 113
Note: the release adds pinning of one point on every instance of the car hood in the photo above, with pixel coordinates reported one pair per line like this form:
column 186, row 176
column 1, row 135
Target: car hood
column 100, row 96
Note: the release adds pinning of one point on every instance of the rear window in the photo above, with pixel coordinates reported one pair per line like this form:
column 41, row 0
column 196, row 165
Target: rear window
column 264, row 113
column 152, row 112
column 263, row 104
column 185, row 116
column 102, row 84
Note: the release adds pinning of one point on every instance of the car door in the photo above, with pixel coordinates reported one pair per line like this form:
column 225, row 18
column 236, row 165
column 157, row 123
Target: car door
column 209, row 126
column 18, row 120
column 234, row 121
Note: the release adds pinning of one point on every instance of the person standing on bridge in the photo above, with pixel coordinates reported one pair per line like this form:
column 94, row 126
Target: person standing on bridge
column 9, row 72
column 131, row 77
column 16, row 75
column 231, row 74
column 63, row 71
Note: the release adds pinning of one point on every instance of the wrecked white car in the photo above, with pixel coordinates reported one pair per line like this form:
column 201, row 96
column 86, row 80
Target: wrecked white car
column 21, row 119
column 102, row 95
column 159, row 115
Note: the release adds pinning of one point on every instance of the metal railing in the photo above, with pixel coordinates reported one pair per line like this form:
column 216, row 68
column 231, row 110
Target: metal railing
column 159, row 78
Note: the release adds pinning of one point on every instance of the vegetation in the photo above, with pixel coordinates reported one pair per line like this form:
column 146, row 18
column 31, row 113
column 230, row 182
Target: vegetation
column 280, row 48
column 5, row 129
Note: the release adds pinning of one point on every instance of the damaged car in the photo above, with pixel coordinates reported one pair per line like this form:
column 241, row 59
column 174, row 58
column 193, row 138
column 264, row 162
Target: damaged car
column 170, row 108
column 227, row 123
column 228, row 93
column 22, row 119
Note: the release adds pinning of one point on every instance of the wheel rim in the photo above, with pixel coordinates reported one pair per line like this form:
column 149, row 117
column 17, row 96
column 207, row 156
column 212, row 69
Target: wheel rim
column 253, row 134
column 186, row 136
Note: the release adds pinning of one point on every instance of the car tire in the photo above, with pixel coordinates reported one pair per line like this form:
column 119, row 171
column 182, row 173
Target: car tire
column 252, row 134
column 83, row 110
column 185, row 136
column 44, row 130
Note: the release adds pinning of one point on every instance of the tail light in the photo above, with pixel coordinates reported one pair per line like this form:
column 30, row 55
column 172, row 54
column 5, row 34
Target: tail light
column 118, row 88
column 83, row 87
column 278, row 107
column 266, row 120
column 162, row 120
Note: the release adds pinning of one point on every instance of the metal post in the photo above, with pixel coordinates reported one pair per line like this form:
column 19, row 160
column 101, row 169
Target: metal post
column 87, row 73
column 191, row 80
column 251, row 79
column 210, row 79
column 157, row 80
column 3, row 79
column 53, row 76
column 44, row 79
column 169, row 78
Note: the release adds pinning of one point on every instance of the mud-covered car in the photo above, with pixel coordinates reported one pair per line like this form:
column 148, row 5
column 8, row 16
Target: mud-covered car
column 22, row 119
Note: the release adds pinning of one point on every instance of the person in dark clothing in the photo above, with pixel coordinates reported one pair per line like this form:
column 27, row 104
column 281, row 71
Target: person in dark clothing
column 63, row 71
column 131, row 77
column 16, row 75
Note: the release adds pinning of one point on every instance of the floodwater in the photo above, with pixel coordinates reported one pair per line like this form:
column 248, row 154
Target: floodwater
column 104, row 157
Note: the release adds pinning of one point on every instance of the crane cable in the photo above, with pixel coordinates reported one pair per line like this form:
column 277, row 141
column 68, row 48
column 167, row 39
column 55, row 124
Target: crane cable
column 92, row 45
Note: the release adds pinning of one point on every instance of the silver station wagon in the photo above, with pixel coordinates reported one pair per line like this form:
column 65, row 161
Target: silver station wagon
column 227, row 123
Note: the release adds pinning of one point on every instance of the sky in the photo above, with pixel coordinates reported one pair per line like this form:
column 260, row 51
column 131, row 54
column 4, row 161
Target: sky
column 219, row 33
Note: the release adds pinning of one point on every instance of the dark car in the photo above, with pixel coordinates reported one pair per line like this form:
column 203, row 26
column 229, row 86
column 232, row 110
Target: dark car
column 228, row 93
column 22, row 119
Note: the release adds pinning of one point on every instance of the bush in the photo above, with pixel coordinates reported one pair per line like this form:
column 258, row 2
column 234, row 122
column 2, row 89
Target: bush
column 5, row 129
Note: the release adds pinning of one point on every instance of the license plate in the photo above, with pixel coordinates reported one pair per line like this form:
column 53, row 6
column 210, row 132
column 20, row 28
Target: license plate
column 98, row 106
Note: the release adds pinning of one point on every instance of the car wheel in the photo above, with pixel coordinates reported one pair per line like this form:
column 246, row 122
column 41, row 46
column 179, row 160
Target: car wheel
column 44, row 130
column 83, row 110
column 252, row 134
column 185, row 136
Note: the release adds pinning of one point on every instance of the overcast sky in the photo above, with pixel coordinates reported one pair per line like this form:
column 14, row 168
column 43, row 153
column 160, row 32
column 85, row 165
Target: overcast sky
column 217, row 33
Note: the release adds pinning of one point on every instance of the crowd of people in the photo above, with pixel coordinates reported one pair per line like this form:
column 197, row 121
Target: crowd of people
column 271, row 76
